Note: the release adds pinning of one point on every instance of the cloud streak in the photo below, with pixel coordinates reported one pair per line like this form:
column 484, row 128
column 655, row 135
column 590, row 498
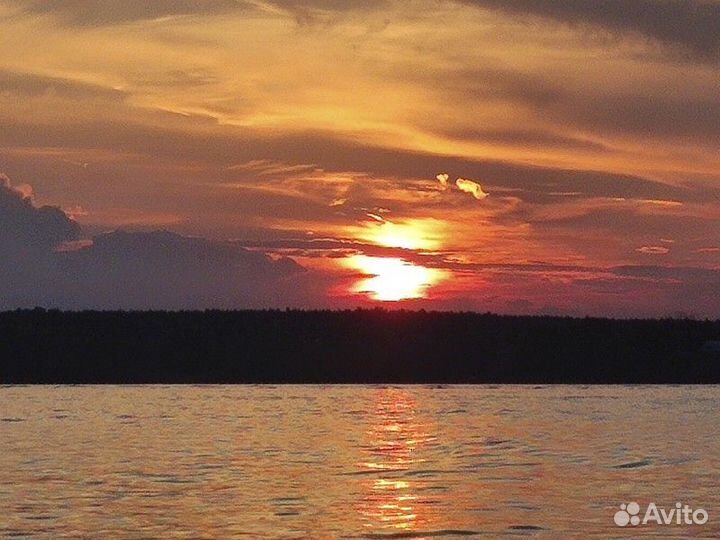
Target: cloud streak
column 108, row 12
column 691, row 24
column 653, row 250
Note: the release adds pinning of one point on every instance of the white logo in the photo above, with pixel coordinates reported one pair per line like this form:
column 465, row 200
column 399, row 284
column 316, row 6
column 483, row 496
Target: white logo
column 629, row 514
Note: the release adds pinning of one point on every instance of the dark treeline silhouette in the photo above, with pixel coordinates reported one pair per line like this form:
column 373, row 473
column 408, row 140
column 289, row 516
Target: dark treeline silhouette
column 361, row 346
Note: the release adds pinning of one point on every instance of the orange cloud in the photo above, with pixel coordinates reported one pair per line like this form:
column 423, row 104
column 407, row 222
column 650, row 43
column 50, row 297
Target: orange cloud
column 472, row 187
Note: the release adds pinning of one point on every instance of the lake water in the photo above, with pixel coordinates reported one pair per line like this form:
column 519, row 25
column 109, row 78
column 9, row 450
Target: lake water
column 326, row 462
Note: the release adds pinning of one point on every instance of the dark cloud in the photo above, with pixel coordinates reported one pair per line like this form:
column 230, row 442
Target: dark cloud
column 617, row 222
column 659, row 117
column 619, row 231
column 691, row 24
column 24, row 226
column 28, row 237
column 132, row 269
column 680, row 288
column 165, row 270
column 672, row 273
column 670, row 113
column 110, row 12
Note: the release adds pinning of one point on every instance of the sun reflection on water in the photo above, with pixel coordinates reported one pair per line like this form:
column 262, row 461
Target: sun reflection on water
column 393, row 501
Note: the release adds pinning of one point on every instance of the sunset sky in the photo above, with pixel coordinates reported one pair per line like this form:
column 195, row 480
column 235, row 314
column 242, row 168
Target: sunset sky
column 516, row 156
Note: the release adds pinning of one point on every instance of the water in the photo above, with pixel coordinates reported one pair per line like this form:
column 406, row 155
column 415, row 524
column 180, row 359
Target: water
column 326, row 462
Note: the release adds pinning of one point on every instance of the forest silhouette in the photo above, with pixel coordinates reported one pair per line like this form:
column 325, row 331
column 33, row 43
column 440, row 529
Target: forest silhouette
column 359, row 346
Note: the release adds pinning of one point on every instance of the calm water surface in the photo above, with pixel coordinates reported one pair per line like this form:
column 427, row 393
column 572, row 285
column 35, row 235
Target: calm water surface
column 325, row 462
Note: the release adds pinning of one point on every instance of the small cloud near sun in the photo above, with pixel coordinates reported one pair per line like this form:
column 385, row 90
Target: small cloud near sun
column 653, row 250
column 470, row 186
column 376, row 217
column 464, row 185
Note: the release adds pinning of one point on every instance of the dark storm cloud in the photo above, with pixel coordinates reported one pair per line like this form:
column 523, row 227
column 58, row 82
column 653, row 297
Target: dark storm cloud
column 691, row 24
column 130, row 269
column 110, row 12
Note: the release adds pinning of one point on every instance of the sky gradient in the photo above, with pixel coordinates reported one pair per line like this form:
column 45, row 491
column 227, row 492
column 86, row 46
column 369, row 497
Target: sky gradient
column 517, row 156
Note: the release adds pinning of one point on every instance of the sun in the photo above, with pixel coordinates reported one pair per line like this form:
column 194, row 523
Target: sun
column 391, row 279
column 416, row 234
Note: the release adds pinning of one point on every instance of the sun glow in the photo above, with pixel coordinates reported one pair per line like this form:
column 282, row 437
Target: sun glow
column 425, row 234
column 392, row 279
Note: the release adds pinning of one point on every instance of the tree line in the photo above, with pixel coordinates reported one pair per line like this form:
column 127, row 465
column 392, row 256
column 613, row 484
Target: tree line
column 358, row 346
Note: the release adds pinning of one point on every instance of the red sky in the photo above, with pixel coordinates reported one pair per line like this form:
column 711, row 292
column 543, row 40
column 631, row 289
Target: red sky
column 514, row 156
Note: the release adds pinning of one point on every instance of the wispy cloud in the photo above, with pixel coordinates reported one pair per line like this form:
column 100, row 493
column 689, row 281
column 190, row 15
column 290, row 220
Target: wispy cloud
column 108, row 12
column 653, row 250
